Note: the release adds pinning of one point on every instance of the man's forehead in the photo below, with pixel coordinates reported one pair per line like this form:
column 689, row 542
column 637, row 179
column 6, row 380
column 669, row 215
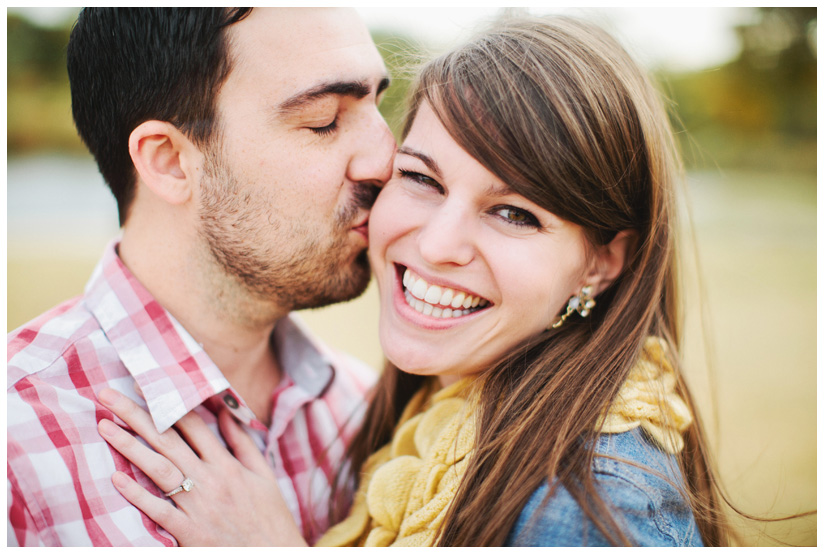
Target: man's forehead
column 293, row 30
column 304, row 46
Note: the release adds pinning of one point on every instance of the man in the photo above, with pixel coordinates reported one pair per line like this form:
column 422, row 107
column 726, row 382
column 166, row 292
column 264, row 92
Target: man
column 244, row 150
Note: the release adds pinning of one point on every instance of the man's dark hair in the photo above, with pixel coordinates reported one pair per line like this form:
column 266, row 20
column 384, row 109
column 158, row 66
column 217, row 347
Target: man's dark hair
column 130, row 65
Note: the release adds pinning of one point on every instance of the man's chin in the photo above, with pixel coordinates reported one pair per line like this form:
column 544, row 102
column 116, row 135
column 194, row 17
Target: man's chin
column 348, row 286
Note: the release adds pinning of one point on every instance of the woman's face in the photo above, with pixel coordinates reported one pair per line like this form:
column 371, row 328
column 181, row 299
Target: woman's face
column 466, row 268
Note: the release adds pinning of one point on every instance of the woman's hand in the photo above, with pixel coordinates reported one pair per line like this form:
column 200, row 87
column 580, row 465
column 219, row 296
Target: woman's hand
column 234, row 501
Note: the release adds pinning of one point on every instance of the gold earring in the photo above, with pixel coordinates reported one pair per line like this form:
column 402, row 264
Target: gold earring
column 581, row 303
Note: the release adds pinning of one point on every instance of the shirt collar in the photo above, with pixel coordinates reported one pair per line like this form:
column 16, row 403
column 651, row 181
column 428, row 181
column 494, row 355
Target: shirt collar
column 173, row 371
column 302, row 357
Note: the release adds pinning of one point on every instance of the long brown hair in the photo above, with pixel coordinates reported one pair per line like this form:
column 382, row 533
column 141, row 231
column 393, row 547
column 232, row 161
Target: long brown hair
column 557, row 110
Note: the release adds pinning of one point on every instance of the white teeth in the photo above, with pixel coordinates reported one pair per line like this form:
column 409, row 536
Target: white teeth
column 419, row 289
column 429, row 310
column 433, row 294
column 446, row 297
column 424, row 297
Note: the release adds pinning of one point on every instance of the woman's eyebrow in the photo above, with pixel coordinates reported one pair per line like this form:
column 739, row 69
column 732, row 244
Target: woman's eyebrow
column 495, row 190
column 429, row 162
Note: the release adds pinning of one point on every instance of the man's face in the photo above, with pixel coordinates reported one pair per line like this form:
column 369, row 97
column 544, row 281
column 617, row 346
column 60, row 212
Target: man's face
column 299, row 152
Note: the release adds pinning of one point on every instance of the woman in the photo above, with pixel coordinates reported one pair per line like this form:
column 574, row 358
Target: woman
column 524, row 253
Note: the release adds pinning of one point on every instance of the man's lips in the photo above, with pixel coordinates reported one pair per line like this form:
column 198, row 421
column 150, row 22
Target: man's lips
column 362, row 226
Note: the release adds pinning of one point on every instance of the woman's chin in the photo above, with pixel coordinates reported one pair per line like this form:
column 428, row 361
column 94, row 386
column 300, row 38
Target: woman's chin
column 419, row 364
column 414, row 365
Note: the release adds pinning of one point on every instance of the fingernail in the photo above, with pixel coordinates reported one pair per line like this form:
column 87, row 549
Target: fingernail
column 108, row 396
column 107, row 428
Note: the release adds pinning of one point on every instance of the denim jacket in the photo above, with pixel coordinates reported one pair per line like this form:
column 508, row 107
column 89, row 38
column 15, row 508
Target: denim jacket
column 649, row 509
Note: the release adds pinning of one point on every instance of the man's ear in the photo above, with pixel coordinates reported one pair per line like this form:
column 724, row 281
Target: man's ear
column 610, row 260
column 165, row 160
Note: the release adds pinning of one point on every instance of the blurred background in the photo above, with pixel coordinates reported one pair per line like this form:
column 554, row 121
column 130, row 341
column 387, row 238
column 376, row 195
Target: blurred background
column 742, row 88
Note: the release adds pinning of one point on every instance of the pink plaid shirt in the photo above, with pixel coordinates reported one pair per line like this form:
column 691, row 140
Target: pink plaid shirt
column 59, row 468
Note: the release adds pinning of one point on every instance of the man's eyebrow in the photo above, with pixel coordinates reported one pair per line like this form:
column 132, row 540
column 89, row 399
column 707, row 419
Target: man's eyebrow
column 429, row 162
column 355, row 89
column 382, row 85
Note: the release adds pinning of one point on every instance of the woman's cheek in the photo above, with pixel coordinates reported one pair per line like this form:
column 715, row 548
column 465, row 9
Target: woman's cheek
column 392, row 215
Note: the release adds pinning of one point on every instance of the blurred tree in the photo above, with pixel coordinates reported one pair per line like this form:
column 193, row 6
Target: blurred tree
column 778, row 58
column 38, row 100
column 402, row 56
column 760, row 109
column 34, row 52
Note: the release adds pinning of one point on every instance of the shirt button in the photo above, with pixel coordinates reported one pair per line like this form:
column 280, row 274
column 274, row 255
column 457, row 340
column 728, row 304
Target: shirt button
column 230, row 401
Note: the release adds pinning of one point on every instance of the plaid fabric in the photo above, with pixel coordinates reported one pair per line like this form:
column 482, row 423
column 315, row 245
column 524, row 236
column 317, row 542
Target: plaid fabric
column 59, row 469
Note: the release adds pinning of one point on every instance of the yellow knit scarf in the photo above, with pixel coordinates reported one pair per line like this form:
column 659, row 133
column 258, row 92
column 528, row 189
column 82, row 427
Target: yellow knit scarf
column 407, row 485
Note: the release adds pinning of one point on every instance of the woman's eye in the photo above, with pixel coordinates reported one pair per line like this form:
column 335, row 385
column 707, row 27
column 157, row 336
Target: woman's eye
column 421, row 179
column 516, row 216
column 325, row 130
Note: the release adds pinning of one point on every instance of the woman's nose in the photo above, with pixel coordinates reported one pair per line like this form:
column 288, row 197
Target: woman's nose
column 447, row 237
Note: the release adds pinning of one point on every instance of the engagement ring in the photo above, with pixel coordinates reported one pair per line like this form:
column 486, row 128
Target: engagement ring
column 186, row 485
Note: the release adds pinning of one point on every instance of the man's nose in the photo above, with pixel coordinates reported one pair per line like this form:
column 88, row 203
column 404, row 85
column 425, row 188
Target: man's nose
column 372, row 161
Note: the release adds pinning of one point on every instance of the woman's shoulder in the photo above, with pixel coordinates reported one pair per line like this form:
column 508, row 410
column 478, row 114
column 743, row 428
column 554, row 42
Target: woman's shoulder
column 642, row 487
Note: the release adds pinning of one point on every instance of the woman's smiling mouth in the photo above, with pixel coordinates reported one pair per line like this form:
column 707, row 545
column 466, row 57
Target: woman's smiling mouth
column 438, row 301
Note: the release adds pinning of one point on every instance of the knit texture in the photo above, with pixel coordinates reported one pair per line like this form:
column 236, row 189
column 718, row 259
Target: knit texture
column 407, row 485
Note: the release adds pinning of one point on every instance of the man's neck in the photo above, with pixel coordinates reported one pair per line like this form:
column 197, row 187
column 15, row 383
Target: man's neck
column 252, row 368
column 234, row 329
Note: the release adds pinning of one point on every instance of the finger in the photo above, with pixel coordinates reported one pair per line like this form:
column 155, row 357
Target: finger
column 138, row 390
column 162, row 512
column 158, row 468
column 168, row 444
column 201, row 438
column 243, row 447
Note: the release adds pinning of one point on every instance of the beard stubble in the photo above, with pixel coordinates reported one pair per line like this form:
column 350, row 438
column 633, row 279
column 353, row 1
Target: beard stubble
column 288, row 262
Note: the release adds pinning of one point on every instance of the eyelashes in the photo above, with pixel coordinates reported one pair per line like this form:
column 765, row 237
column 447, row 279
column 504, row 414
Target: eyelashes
column 517, row 216
column 421, row 179
column 325, row 130
column 512, row 215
